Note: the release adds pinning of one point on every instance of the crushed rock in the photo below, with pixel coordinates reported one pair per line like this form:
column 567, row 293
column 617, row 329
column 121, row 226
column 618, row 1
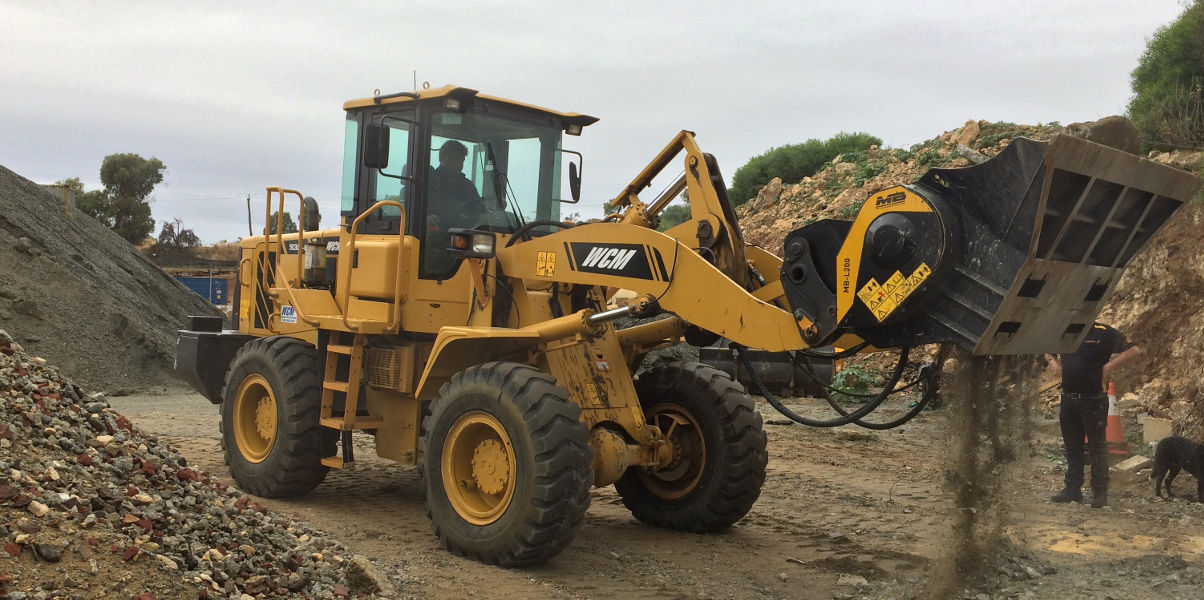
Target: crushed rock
column 75, row 477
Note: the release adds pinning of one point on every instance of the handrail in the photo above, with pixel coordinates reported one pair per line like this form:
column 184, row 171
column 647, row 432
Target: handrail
column 282, row 250
column 280, row 226
column 395, row 320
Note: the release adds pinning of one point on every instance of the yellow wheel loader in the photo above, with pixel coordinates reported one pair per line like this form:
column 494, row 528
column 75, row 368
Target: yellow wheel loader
column 457, row 319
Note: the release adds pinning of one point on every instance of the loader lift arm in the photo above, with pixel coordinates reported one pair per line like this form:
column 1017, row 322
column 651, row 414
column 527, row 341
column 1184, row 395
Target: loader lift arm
column 962, row 255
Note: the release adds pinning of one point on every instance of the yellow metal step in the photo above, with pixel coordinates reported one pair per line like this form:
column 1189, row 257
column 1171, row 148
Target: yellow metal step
column 337, row 386
column 339, row 349
column 336, row 462
column 358, row 423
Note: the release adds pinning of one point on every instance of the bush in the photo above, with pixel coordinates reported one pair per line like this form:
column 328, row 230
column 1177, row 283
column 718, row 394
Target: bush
column 1168, row 84
column 852, row 380
column 793, row 162
column 672, row 216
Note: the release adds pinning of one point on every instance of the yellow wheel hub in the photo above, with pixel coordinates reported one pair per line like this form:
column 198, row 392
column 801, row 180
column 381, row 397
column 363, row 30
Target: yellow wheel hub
column 254, row 419
column 478, row 468
column 682, row 473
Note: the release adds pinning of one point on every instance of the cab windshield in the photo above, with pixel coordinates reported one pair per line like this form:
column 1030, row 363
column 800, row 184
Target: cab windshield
column 493, row 169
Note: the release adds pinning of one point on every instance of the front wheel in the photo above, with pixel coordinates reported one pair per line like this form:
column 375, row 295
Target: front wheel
column 273, row 441
column 507, row 465
column 718, row 458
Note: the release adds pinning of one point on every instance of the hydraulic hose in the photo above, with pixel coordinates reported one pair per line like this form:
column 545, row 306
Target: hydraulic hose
column 837, row 422
column 929, row 375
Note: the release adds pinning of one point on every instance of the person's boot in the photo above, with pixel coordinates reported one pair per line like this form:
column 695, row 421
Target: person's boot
column 1067, row 495
column 1099, row 499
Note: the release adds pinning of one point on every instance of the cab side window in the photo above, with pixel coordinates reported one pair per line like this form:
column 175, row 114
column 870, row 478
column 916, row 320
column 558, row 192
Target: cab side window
column 393, row 182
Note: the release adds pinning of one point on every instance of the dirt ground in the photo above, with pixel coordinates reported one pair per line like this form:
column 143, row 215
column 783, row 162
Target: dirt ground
column 844, row 513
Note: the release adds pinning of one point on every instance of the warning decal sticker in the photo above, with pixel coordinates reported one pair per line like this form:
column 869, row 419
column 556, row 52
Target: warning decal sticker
column 882, row 299
column 545, row 264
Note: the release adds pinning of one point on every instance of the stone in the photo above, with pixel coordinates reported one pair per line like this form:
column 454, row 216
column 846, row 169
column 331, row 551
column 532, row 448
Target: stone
column 364, row 577
column 854, row 434
column 38, row 509
column 1114, row 131
column 968, row 134
column 769, row 194
column 1133, row 464
column 848, row 580
column 49, row 552
column 975, row 157
column 1154, row 429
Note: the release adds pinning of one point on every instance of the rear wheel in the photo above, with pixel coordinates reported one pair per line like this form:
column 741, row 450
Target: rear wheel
column 273, row 442
column 719, row 454
column 506, row 465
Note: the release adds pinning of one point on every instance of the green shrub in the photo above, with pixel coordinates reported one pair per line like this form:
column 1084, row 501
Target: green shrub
column 850, row 210
column 1168, row 84
column 672, row 216
column 867, row 171
column 852, row 380
column 793, row 162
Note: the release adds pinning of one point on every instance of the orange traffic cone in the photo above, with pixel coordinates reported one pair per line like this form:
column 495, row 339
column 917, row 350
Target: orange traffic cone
column 1115, row 436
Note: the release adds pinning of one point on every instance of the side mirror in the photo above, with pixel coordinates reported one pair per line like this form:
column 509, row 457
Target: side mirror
column 376, row 146
column 574, row 182
column 575, row 169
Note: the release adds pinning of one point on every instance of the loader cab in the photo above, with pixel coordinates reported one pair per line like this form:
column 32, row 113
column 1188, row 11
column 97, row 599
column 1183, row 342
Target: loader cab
column 453, row 159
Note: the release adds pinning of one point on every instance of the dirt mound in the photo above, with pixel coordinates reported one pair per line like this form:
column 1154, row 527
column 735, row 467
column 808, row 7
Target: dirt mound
column 83, row 297
column 81, row 487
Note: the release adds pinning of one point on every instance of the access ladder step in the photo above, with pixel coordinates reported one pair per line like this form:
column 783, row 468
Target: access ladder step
column 336, row 386
column 337, row 462
column 357, row 423
column 339, row 349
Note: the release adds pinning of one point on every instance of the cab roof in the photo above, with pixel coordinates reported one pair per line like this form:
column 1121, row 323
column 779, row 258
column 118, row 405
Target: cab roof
column 457, row 92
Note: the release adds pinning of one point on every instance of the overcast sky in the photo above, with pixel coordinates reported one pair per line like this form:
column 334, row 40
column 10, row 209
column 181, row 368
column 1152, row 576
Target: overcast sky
column 237, row 96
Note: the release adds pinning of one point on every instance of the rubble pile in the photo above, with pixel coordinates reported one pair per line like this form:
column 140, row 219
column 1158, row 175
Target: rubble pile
column 78, row 480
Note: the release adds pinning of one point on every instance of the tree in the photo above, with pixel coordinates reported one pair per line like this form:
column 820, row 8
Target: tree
column 289, row 225
column 672, row 216
column 122, row 205
column 129, row 180
column 174, row 235
column 173, row 243
column 1168, row 84
column 793, row 162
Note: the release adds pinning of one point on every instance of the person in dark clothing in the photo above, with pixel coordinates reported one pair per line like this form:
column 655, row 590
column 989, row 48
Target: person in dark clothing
column 452, row 201
column 1084, row 410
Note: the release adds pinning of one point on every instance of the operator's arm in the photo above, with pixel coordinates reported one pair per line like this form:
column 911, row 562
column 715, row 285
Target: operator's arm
column 1120, row 359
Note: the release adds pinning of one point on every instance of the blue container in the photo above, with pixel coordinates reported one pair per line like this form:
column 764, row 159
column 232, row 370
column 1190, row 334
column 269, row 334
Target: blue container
column 214, row 289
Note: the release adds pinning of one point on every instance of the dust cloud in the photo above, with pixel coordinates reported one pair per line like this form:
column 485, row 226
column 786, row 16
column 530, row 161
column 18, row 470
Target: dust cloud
column 990, row 403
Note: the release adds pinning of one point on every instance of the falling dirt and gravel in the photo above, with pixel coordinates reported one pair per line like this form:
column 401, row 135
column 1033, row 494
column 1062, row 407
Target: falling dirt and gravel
column 109, row 495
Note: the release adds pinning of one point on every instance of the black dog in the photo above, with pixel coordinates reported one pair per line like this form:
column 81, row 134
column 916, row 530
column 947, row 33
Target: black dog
column 1172, row 454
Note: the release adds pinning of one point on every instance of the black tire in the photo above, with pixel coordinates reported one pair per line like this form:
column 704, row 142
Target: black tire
column 275, row 454
column 515, row 418
column 719, row 462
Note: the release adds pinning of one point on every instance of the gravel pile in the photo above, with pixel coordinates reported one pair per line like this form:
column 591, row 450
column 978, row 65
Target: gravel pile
column 78, row 479
column 75, row 292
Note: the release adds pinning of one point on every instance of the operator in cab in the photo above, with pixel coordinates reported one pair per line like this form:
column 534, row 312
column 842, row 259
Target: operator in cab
column 452, row 201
